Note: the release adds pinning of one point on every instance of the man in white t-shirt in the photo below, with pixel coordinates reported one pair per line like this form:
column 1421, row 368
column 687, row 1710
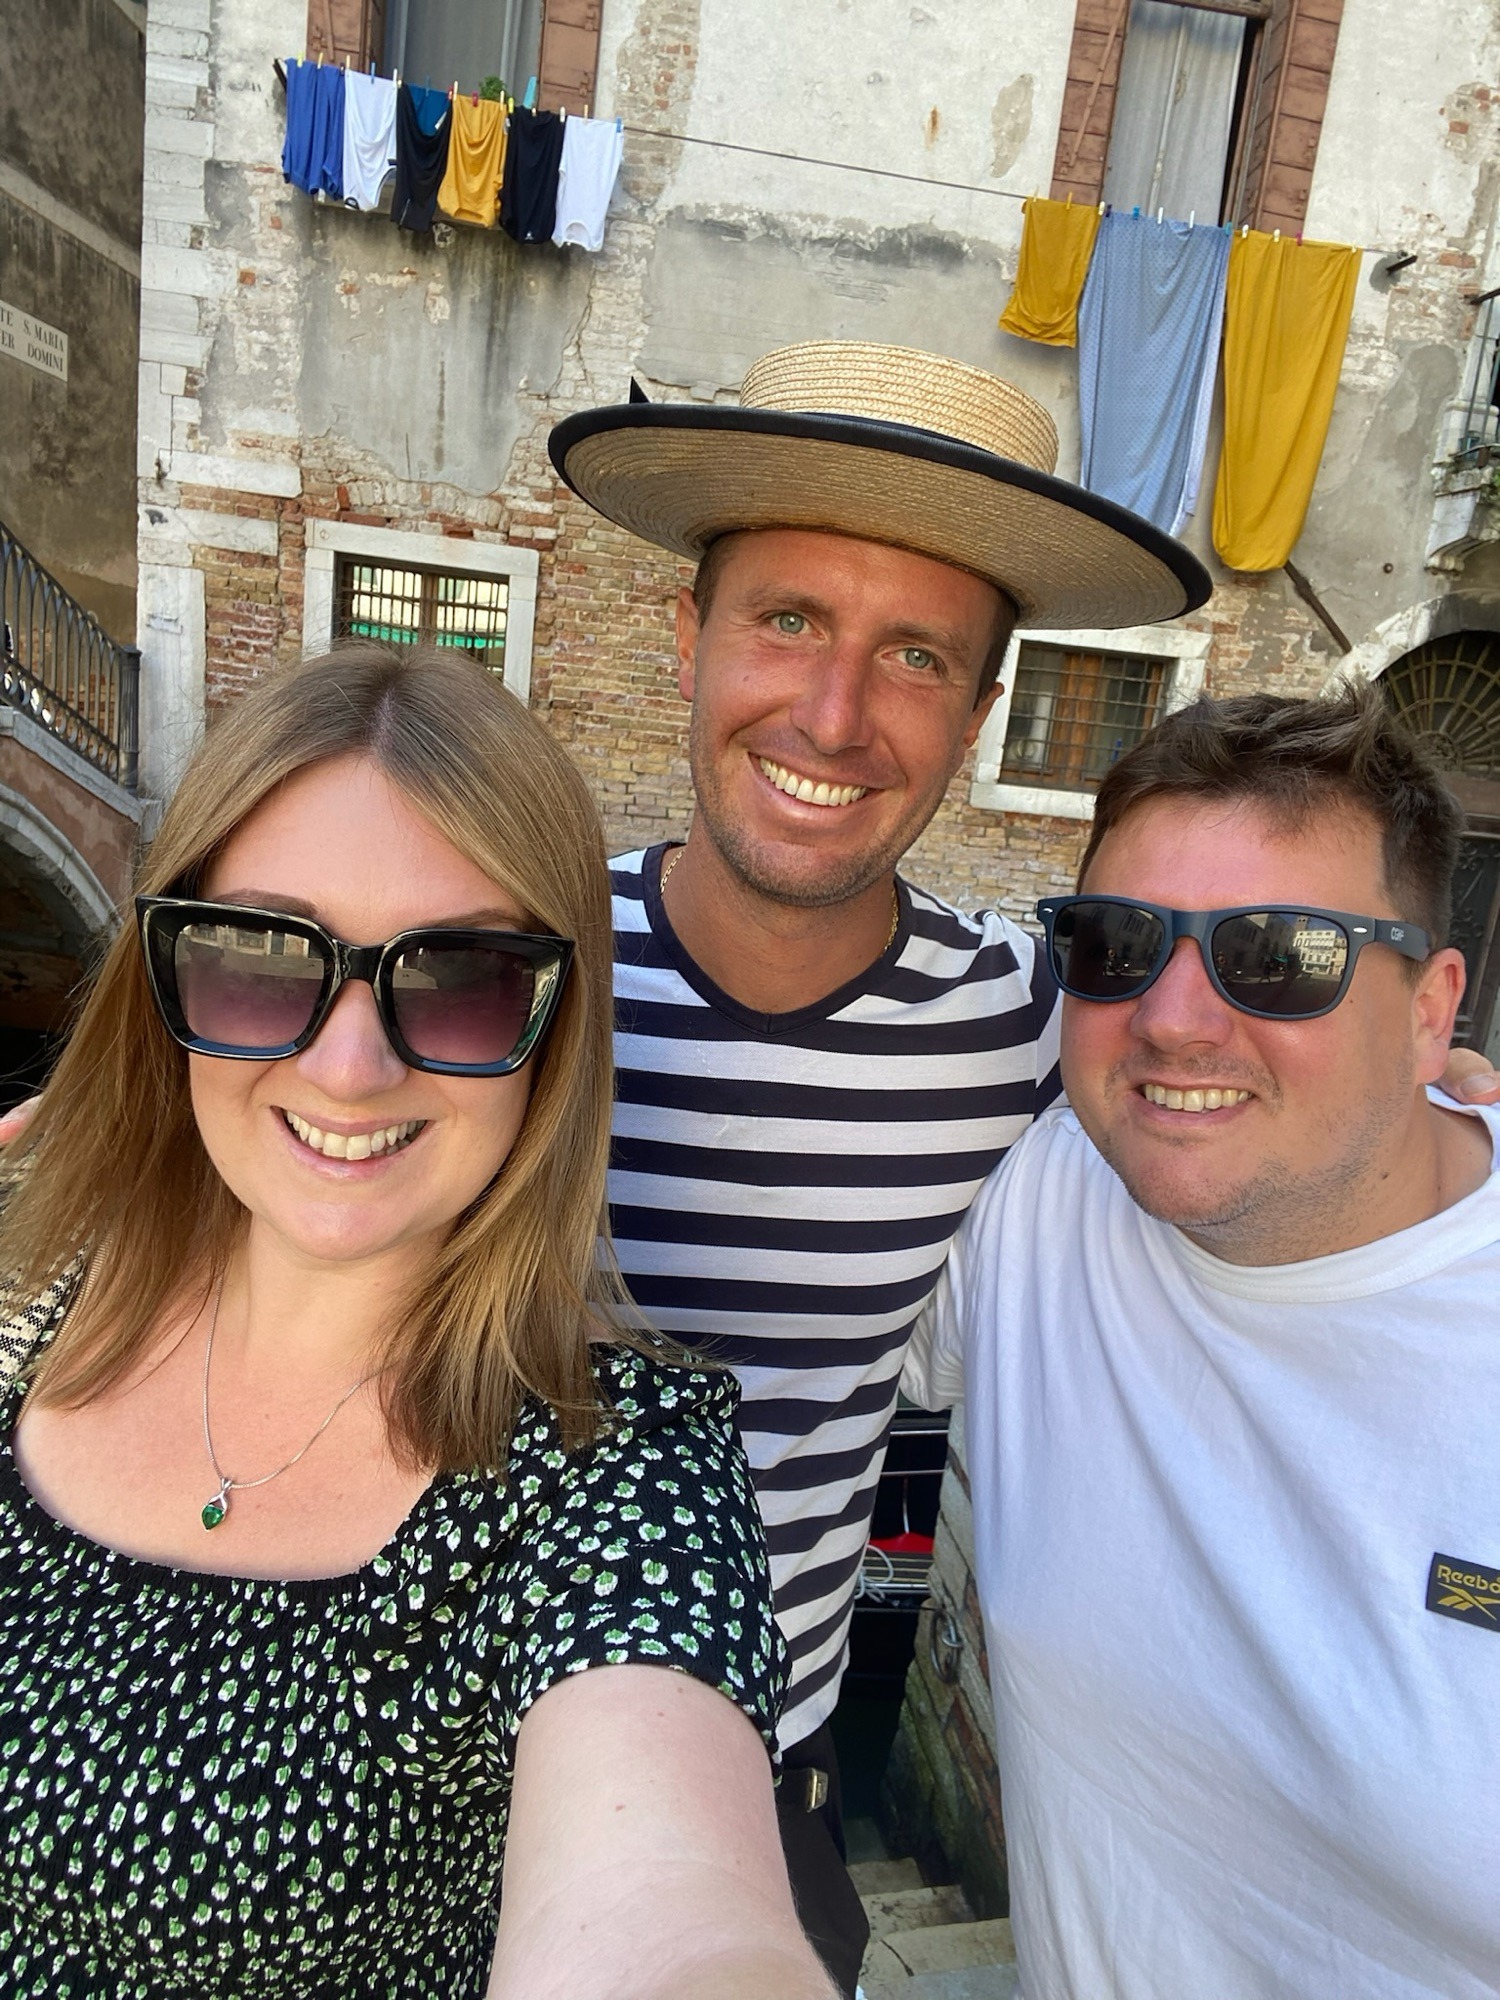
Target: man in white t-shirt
column 1229, row 1334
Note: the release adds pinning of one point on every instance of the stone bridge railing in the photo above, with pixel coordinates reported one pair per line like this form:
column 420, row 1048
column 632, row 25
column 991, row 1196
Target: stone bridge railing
column 59, row 666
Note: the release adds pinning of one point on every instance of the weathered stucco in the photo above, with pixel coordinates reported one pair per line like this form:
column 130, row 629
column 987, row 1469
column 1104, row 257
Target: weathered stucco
column 70, row 234
column 330, row 362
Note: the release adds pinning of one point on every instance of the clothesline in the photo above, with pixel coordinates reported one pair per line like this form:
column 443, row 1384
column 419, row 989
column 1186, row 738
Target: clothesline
column 546, row 177
column 881, row 173
column 1146, row 308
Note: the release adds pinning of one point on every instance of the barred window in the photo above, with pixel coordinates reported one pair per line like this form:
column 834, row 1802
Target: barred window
column 1072, row 714
column 404, row 604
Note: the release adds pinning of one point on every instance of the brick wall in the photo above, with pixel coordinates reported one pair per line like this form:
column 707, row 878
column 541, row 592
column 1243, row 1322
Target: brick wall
column 604, row 666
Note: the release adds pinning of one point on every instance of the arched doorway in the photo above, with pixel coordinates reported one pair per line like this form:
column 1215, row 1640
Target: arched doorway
column 1447, row 692
column 55, row 916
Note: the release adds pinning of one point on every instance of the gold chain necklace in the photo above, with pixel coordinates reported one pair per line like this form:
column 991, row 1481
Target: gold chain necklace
column 890, row 936
column 214, row 1510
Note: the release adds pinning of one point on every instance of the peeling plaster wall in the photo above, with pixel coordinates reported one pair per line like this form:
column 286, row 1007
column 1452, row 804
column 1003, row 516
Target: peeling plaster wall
column 305, row 362
column 1409, row 161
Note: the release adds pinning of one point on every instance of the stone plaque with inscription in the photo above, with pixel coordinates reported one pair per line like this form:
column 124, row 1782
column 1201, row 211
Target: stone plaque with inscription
column 40, row 346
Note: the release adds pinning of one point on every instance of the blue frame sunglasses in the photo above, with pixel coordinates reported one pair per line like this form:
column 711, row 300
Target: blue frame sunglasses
column 1273, row 961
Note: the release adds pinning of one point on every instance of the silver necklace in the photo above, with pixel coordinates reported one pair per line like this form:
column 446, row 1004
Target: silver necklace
column 214, row 1510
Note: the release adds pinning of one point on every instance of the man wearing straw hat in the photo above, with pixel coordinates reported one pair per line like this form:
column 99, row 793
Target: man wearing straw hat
column 819, row 1063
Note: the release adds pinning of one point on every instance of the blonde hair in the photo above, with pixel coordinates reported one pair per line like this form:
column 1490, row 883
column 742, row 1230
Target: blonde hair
column 116, row 1164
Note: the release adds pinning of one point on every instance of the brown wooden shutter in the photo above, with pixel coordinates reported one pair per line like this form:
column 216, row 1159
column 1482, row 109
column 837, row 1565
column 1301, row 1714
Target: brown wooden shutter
column 1089, row 99
column 351, row 31
column 568, row 67
column 1285, row 115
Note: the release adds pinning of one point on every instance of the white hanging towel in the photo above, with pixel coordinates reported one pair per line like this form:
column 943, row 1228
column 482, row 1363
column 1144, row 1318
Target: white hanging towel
column 591, row 154
column 369, row 137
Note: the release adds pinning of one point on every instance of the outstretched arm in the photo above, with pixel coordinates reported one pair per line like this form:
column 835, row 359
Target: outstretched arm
column 643, row 1860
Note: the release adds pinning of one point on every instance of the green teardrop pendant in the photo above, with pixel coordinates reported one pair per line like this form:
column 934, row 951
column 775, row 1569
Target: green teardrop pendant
column 214, row 1513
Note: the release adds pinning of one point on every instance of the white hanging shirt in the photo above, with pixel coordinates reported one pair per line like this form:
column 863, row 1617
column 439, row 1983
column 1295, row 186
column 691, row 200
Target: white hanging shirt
column 1238, row 1551
column 591, row 155
column 369, row 137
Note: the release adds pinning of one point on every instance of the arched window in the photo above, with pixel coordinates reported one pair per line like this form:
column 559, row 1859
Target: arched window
column 1448, row 695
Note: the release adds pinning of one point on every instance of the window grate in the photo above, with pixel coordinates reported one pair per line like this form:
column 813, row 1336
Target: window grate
column 1073, row 714
column 405, row 605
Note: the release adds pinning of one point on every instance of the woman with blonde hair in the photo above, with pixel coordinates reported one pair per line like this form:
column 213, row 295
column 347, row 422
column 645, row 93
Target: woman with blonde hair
column 347, row 1547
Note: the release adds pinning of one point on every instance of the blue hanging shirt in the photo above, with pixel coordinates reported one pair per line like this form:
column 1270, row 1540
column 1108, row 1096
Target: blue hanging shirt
column 1149, row 324
column 297, row 147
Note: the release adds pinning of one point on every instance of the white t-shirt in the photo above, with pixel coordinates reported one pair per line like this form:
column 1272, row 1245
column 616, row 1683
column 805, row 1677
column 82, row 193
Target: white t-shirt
column 369, row 137
column 591, row 155
column 1241, row 1757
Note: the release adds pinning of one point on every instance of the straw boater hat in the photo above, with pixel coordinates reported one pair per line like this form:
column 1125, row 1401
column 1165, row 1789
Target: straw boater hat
column 890, row 445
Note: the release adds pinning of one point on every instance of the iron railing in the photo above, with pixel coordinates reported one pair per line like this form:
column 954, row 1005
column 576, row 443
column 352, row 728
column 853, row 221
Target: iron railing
column 59, row 666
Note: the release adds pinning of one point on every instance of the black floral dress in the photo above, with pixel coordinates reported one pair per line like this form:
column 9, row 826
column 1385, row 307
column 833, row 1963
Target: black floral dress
column 219, row 1786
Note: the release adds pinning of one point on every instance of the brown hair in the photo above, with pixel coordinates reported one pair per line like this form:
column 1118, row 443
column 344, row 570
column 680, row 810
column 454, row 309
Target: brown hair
column 513, row 1294
column 711, row 562
column 1296, row 758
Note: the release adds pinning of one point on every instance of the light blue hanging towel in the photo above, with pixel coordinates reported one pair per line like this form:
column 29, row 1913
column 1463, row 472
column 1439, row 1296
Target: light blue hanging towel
column 1149, row 325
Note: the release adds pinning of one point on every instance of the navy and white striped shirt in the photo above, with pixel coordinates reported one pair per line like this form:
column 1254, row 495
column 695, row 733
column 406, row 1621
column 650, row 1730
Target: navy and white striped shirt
column 784, row 1189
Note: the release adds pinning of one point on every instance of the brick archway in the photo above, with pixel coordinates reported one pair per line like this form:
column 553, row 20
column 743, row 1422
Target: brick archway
column 68, row 837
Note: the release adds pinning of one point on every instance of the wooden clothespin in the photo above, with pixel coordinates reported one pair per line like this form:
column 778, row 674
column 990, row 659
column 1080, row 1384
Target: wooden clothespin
column 320, row 58
column 1103, row 208
column 1275, row 235
column 1070, row 197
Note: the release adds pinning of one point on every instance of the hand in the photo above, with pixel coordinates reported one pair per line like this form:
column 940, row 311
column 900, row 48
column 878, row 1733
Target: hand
column 1468, row 1079
column 15, row 1122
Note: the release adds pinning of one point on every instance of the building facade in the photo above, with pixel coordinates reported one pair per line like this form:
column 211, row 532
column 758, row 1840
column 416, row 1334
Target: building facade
column 72, row 86
column 318, row 387
column 343, row 426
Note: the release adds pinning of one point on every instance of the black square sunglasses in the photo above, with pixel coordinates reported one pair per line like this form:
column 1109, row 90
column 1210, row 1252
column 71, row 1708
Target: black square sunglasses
column 257, row 985
column 1277, row 963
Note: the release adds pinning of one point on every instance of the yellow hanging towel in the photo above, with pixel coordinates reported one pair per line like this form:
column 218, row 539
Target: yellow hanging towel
column 1286, row 319
column 1057, row 241
column 476, row 161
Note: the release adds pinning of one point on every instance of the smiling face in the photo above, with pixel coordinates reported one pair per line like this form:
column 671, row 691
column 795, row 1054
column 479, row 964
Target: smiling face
column 833, row 685
column 342, row 1151
column 1264, row 1140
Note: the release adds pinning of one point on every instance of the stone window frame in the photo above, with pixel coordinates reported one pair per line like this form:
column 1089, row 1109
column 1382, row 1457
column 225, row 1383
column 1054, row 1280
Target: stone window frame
column 401, row 548
column 1187, row 651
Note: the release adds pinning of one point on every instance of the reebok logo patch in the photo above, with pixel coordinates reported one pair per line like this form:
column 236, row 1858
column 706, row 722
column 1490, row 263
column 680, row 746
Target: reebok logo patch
column 1466, row 1590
